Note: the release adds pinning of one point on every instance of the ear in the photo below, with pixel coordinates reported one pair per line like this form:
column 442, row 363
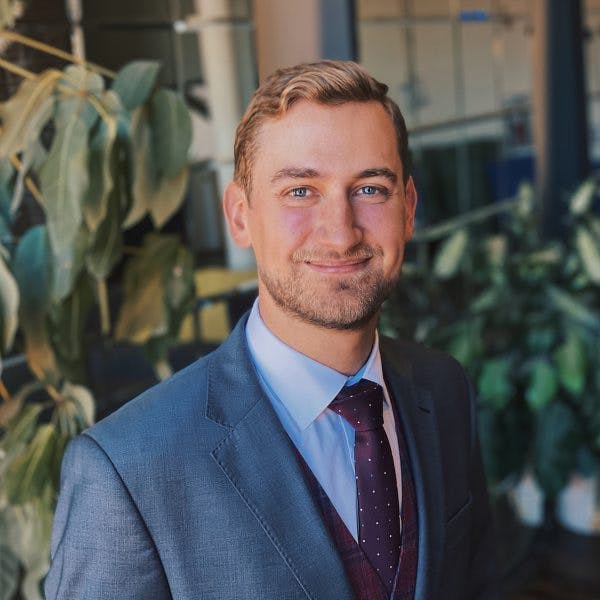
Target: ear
column 410, row 201
column 235, row 208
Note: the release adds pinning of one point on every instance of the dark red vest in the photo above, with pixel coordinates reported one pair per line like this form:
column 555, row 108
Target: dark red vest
column 362, row 576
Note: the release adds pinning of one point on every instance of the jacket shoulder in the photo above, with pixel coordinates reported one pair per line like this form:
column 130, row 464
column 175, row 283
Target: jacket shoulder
column 421, row 364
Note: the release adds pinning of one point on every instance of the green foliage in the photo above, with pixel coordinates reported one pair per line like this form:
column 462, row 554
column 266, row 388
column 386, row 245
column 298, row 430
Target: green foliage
column 555, row 446
column 451, row 254
column 522, row 313
column 104, row 157
column 9, row 304
column 135, row 82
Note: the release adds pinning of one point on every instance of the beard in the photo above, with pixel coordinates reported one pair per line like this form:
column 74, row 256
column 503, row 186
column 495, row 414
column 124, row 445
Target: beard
column 345, row 303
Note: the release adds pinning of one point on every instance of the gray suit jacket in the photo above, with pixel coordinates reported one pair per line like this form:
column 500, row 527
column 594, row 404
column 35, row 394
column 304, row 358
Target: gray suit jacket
column 193, row 490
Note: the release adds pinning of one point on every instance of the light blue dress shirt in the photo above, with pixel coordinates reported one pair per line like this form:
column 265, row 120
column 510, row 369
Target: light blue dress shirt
column 300, row 390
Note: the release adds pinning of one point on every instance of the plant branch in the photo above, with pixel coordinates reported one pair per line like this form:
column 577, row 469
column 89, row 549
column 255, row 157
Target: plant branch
column 5, row 64
column 437, row 231
column 26, row 41
column 54, row 394
column 100, row 109
column 29, row 183
column 104, row 306
column 4, row 392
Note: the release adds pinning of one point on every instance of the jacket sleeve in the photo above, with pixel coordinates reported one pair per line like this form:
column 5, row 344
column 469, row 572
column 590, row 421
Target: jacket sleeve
column 483, row 575
column 100, row 547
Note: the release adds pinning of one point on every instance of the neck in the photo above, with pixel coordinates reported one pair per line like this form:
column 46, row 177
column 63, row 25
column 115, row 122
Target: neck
column 343, row 350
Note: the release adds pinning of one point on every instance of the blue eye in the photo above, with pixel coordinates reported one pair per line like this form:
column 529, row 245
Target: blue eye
column 369, row 190
column 299, row 192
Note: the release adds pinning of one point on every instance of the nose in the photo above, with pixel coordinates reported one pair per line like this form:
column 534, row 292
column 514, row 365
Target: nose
column 337, row 227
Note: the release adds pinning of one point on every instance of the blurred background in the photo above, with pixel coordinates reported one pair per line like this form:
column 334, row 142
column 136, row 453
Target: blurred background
column 502, row 102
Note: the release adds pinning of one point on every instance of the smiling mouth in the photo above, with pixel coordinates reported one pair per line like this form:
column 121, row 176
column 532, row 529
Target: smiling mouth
column 338, row 266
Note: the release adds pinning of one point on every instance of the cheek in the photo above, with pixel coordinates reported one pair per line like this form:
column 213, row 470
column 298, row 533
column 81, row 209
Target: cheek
column 280, row 234
column 382, row 223
column 293, row 226
column 384, row 228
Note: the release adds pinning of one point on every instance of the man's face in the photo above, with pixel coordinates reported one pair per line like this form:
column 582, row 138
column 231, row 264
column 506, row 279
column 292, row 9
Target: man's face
column 328, row 214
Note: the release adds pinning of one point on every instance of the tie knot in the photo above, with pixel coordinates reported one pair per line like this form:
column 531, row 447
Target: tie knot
column 361, row 405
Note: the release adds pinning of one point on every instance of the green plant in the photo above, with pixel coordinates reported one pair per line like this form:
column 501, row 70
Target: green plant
column 90, row 161
column 522, row 313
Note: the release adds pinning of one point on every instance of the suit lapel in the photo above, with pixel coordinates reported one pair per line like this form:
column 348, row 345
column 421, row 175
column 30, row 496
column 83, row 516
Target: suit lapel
column 260, row 462
column 417, row 412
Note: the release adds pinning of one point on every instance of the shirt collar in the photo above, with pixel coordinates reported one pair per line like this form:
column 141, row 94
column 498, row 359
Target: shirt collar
column 304, row 386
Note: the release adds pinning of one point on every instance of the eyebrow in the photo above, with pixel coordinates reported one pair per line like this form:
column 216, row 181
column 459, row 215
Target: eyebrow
column 381, row 172
column 294, row 173
column 300, row 173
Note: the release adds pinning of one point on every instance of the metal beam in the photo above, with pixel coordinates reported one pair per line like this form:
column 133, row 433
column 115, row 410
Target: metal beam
column 338, row 29
column 559, row 109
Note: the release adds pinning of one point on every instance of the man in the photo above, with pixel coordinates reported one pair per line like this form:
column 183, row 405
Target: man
column 250, row 474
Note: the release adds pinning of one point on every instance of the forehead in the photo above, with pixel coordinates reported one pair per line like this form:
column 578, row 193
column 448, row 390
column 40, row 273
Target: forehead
column 348, row 137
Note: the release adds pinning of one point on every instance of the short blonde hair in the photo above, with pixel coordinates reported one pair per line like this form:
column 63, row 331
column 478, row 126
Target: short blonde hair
column 327, row 82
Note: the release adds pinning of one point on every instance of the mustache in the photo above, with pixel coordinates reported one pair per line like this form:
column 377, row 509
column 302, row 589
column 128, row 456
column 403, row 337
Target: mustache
column 361, row 252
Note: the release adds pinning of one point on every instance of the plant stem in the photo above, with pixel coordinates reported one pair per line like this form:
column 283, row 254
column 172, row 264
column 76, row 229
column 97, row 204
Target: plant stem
column 16, row 69
column 100, row 110
column 104, row 307
column 4, row 392
column 26, row 41
column 29, row 183
column 437, row 231
column 54, row 394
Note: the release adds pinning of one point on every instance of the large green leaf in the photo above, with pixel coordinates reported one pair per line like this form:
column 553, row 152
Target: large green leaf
column 33, row 150
column 171, row 132
column 167, row 198
column 80, row 400
column 64, row 180
column 450, row 255
column 106, row 248
column 68, row 321
column 582, row 199
column 31, row 270
column 572, row 308
column 9, row 306
column 28, row 534
column 22, row 427
column 160, row 196
column 494, row 384
column 21, row 114
column 29, row 473
column 571, row 360
column 543, row 384
column 144, row 312
column 9, row 572
column 589, row 252
column 144, row 172
column 135, row 81
column 67, row 266
column 100, row 174
column 5, row 214
column 557, row 439
column 74, row 92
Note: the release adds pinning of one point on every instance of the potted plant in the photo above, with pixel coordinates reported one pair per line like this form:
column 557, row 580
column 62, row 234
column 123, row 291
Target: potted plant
column 89, row 154
column 522, row 313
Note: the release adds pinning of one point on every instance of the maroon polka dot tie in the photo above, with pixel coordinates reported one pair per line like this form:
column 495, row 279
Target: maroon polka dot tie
column 361, row 405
